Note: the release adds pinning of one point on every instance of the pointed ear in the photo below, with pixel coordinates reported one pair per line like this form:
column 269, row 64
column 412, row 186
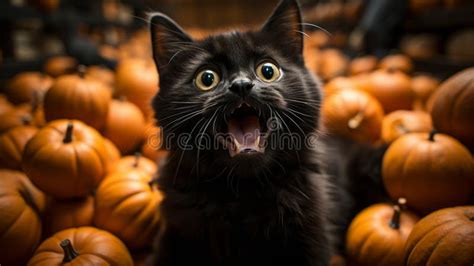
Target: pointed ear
column 285, row 24
column 166, row 37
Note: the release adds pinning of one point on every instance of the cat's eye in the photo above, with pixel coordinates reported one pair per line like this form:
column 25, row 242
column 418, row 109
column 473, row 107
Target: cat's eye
column 268, row 72
column 207, row 80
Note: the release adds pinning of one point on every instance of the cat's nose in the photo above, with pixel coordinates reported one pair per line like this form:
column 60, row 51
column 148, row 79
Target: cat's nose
column 241, row 87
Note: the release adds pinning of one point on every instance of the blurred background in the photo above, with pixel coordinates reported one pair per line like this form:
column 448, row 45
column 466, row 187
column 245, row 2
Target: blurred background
column 436, row 34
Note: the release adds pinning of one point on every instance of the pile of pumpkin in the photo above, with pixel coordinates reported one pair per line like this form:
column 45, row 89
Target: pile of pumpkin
column 428, row 169
column 78, row 164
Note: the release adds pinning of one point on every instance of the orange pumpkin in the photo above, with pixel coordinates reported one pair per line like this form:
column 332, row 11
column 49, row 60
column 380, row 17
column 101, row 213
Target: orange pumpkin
column 333, row 63
column 393, row 89
column 78, row 97
column 353, row 114
column 65, row 214
column 430, row 170
column 423, row 86
column 103, row 74
column 402, row 122
column 112, row 151
column 12, row 144
column 396, row 62
column 312, row 58
column 153, row 153
column 82, row 246
column 377, row 235
column 364, row 64
column 152, row 147
column 23, row 86
column 66, row 159
column 21, row 205
column 137, row 80
column 444, row 237
column 17, row 116
column 125, row 125
column 452, row 107
column 5, row 105
column 127, row 205
column 420, row 46
column 362, row 81
column 338, row 84
column 134, row 162
column 60, row 65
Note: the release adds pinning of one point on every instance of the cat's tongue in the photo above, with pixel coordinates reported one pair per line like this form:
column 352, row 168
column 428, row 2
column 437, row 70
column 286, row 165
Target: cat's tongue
column 245, row 134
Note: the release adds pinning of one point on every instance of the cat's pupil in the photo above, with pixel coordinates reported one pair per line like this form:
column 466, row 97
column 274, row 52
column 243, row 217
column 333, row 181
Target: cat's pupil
column 267, row 72
column 207, row 79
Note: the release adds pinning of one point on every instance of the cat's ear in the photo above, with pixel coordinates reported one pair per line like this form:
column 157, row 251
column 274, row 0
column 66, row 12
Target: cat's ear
column 286, row 25
column 167, row 37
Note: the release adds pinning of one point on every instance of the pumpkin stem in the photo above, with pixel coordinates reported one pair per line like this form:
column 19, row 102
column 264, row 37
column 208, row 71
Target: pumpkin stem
column 81, row 70
column 26, row 120
column 397, row 210
column 138, row 155
column 153, row 180
column 400, row 127
column 68, row 135
column 69, row 252
column 356, row 120
column 432, row 134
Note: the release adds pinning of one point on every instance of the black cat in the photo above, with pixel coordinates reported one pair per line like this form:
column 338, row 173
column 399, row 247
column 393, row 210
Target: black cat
column 250, row 180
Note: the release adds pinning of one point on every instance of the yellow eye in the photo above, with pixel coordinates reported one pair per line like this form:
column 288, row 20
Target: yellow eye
column 268, row 72
column 207, row 80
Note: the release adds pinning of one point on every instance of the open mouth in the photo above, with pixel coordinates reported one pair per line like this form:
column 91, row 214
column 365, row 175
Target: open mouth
column 246, row 131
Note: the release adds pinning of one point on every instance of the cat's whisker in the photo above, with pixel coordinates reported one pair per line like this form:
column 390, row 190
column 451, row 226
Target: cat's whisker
column 178, row 114
column 300, row 113
column 317, row 27
column 303, row 33
column 201, row 134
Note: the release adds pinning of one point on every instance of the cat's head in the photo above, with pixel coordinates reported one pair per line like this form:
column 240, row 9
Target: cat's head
column 244, row 91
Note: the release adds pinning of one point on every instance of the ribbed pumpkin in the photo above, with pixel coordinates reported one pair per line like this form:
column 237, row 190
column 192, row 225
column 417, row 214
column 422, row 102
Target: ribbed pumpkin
column 21, row 205
column 125, row 125
column 337, row 84
column 66, row 159
column 137, row 80
column 353, row 114
column 22, row 87
column 423, row 86
column 430, row 170
column 402, row 122
column 397, row 62
column 60, row 65
column 65, row 214
column 127, row 205
column 78, row 97
column 12, row 144
column 393, row 89
column 445, row 237
column 364, row 64
column 134, row 162
column 452, row 107
column 82, row 246
column 377, row 235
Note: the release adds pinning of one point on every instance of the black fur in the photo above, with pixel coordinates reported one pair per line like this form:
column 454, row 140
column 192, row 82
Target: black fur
column 287, row 206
